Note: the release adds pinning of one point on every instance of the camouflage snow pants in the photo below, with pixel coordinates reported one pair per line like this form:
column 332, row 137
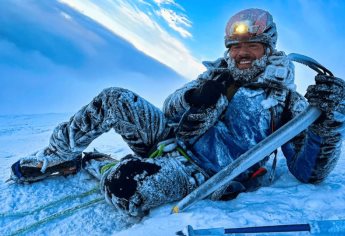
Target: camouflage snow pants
column 139, row 123
column 135, row 184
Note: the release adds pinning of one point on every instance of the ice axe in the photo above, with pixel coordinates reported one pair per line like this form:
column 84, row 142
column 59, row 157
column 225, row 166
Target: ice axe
column 263, row 148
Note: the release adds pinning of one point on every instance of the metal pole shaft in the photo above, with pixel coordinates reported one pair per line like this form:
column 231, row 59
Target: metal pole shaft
column 270, row 229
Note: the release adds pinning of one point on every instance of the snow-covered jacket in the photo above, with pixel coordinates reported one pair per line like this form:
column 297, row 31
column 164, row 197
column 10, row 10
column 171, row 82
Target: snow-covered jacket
column 232, row 127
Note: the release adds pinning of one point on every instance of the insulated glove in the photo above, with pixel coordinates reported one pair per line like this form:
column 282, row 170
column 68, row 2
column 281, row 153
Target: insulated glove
column 210, row 91
column 328, row 94
column 193, row 123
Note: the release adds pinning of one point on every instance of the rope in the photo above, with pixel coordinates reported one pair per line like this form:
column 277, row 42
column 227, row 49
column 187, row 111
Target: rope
column 66, row 212
column 49, row 205
column 183, row 153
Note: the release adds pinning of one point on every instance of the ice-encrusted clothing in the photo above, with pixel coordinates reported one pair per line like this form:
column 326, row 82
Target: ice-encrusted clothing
column 224, row 132
column 242, row 122
column 137, row 183
column 139, row 123
column 245, row 122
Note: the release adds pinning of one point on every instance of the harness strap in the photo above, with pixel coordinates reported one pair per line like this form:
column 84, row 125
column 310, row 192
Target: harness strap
column 259, row 172
column 160, row 151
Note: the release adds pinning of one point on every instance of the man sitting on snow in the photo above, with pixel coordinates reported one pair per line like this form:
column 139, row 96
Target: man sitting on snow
column 240, row 100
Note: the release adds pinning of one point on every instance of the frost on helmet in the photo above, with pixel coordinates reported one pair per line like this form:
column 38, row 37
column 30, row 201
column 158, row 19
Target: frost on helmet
column 251, row 25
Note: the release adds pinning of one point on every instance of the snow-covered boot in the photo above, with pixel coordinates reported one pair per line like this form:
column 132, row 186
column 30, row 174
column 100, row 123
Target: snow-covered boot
column 96, row 163
column 42, row 164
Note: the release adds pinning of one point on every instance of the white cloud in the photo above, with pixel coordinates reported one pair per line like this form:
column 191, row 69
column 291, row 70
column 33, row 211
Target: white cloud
column 174, row 20
column 66, row 16
column 144, row 2
column 139, row 28
column 168, row 2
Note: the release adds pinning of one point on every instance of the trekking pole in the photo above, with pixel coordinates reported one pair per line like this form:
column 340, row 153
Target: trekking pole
column 327, row 227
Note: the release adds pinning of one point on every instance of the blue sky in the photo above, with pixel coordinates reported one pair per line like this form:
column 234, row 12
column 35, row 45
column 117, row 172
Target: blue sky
column 182, row 33
column 55, row 59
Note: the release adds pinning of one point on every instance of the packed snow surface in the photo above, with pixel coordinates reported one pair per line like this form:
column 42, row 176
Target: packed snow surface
column 286, row 201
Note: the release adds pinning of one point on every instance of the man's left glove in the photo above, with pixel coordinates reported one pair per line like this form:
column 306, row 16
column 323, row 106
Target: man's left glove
column 206, row 95
column 328, row 94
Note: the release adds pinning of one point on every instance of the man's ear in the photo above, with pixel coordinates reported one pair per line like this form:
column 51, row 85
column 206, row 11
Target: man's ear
column 228, row 51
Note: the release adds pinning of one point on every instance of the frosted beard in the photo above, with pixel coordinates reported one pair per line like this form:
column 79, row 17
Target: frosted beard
column 247, row 75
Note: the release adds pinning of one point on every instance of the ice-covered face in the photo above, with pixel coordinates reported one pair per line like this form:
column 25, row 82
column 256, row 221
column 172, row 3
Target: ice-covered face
column 245, row 53
column 247, row 60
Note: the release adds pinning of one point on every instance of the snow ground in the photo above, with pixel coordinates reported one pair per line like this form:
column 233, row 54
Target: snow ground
column 286, row 201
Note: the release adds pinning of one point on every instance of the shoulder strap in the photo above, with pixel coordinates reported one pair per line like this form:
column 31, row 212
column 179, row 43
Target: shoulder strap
column 230, row 91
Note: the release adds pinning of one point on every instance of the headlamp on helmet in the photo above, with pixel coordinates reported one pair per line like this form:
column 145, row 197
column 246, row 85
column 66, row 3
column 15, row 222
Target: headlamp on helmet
column 251, row 25
column 242, row 30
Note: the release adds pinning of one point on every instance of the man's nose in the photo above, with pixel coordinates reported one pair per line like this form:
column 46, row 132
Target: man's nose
column 243, row 51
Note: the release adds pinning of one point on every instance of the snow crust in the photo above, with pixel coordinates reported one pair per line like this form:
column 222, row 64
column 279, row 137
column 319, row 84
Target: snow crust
column 287, row 201
column 268, row 103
